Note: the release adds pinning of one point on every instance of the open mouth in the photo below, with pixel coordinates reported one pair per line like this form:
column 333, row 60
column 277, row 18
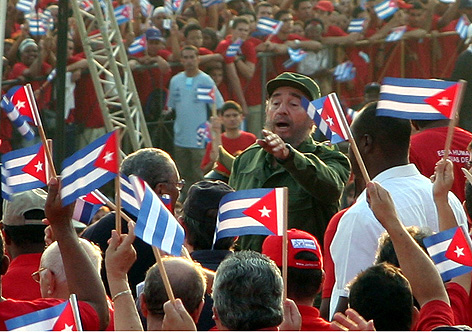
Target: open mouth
column 282, row 125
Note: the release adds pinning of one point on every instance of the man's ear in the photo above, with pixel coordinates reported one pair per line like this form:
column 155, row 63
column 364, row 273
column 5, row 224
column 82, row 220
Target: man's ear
column 6, row 238
column 365, row 144
column 142, row 300
column 5, row 263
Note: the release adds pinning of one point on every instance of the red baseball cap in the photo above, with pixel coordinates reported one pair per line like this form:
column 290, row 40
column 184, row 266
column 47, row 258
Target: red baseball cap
column 324, row 5
column 298, row 241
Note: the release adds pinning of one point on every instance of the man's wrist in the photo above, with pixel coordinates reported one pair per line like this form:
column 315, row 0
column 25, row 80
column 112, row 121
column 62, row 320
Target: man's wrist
column 289, row 156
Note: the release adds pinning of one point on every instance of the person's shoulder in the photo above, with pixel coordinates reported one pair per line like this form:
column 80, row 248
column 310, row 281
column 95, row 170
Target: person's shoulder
column 101, row 230
column 248, row 135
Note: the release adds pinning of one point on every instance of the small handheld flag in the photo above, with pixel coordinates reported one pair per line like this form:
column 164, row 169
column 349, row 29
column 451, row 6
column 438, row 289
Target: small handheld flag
column 156, row 225
column 417, row 99
column 89, row 168
column 234, row 48
column 208, row 3
column 439, row 245
column 146, row 8
column 296, row 55
column 206, row 94
column 356, row 25
column 396, row 34
column 269, row 26
column 385, row 9
column 138, row 45
column 18, row 120
column 344, row 72
column 326, row 112
column 204, row 133
column 123, row 14
column 254, row 211
column 462, row 26
column 26, row 6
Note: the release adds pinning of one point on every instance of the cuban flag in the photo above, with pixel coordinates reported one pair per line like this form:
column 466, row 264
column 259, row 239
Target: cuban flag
column 123, row 14
column 26, row 6
column 89, row 168
column 206, row 94
column 269, row 26
column 208, row 3
column 87, row 206
column 22, row 98
column 168, row 6
column 146, row 8
column 138, row 45
column 386, row 9
column 296, row 55
column 234, row 48
column 204, row 133
column 57, row 318
column 396, row 34
column 36, row 24
column 24, row 169
column 344, row 72
column 128, row 198
column 446, row 245
column 356, row 25
column 254, row 211
column 156, row 225
column 18, row 120
column 86, row 5
column 329, row 117
column 177, row 6
column 417, row 99
column 462, row 26
column 48, row 20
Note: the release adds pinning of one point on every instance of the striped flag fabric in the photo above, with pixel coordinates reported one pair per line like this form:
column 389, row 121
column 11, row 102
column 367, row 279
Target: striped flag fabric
column 462, row 26
column 24, row 169
column 123, row 14
column 204, row 133
column 36, row 25
column 26, row 6
column 208, row 3
column 438, row 245
column 169, row 7
column 156, row 225
column 138, row 45
column 87, row 206
column 254, row 211
column 396, row 34
column 86, row 5
column 89, row 168
column 206, row 94
column 417, row 99
column 146, row 8
column 269, row 26
column 356, row 25
column 128, row 199
column 344, row 72
column 385, row 9
column 296, row 55
column 234, row 48
column 22, row 98
column 329, row 117
column 18, row 120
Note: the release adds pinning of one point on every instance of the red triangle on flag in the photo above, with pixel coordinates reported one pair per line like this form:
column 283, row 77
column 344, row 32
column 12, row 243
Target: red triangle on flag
column 65, row 322
column 329, row 116
column 21, row 102
column 265, row 211
column 212, row 93
column 37, row 166
column 459, row 250
column 444, row 100
column 108, row 157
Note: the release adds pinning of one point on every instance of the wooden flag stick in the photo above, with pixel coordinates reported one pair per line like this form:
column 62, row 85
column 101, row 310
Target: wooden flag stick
column 162, row 270
column 75, row 312
column 455, row 116
column 117, row 185
column 42, row 135
column 285, row 242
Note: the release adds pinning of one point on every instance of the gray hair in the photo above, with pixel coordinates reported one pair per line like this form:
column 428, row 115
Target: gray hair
column 150, row 164
column 247, row 292
column 52, row 259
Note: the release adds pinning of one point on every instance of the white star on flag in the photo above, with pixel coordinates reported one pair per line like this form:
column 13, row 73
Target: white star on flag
column 68, row 328
column 108, row 157
column 20, row 104
column 459, row 251
column 444, row 101
column 39, row 166
column 330, row 121
column 265, row 212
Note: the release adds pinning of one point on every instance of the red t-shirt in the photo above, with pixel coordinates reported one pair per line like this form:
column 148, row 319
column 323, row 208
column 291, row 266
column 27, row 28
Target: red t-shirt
column 427, row 147
column 311, row 320
column 253, row 89
column 459, row 303
column 417, row 57
column 234, row 146
column 17, row 283
column 449, row 50
column 328, row 264
column 433, row 314
column 13, row 308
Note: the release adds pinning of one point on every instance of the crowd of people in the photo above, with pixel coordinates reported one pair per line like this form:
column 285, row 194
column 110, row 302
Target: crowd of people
column 355, row 252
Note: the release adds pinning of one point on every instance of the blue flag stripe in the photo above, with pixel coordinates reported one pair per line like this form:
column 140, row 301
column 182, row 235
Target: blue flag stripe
column 36, row 316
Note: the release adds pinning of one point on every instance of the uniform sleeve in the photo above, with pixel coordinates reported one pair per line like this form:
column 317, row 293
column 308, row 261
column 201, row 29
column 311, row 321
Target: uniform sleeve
column 321, row 173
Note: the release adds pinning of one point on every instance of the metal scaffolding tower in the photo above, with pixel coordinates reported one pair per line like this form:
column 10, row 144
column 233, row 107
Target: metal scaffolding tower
column 111, row 74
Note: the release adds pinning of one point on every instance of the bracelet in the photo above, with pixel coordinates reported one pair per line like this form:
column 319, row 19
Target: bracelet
column 128, row 291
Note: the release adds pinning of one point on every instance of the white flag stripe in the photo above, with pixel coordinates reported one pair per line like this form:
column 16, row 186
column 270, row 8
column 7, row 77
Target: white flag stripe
column 82, row 182
column 402, row 90
column 20, row 178
column 18, row 161
column 241, row 222
column 169, row 235
column 82, row 162
column 45, row 325
column 234, row 205
column 447, row 265
column 406, row 107
column 151, row 222
column 279, row 199
column 438, row 248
